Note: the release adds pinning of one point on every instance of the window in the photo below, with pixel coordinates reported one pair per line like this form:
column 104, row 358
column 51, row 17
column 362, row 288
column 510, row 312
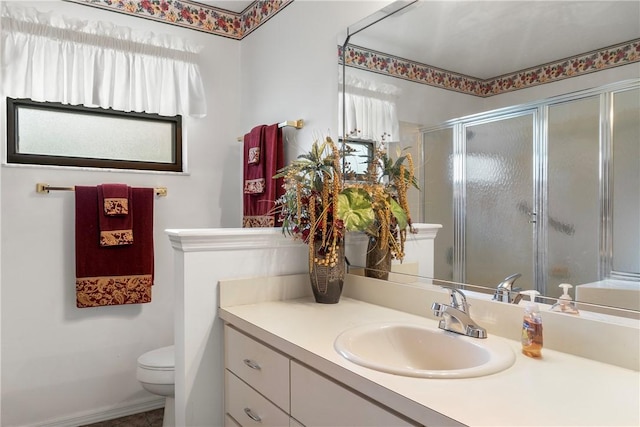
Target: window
column 46, row 133
column 359, row 155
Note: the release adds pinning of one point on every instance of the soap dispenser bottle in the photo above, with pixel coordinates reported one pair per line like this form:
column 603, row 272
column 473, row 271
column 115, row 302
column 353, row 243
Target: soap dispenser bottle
column 565, row 304
column 532, row 327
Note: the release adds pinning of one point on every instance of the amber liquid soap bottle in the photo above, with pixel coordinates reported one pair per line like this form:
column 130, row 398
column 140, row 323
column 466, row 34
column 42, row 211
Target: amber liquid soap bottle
column 532, row 327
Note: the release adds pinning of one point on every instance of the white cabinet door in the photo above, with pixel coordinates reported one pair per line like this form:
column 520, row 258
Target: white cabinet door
column 318, row 401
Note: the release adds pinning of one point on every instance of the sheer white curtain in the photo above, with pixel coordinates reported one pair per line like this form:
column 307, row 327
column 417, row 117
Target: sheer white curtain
column 96, row 64
column 370, row 110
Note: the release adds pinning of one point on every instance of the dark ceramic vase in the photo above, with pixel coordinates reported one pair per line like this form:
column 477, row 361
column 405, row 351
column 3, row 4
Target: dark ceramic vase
column 378, row 260
column 327, row 282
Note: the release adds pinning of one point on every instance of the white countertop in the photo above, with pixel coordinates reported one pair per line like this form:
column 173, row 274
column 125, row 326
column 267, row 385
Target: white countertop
column 557, row 390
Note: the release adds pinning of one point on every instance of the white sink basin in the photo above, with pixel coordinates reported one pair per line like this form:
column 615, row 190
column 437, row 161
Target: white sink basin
column 420, row 351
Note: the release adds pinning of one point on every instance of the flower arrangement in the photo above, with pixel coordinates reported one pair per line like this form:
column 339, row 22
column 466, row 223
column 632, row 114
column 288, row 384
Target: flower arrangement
column 308, row 209
column 317, row 207
column 378, row 205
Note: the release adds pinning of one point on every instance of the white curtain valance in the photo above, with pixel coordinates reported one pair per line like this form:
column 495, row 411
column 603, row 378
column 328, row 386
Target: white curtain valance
column 370, row 109
column 96, row 64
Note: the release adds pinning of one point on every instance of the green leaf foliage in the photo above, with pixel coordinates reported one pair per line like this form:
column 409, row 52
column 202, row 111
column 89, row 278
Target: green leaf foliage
column 399, row 214
column 354, row 208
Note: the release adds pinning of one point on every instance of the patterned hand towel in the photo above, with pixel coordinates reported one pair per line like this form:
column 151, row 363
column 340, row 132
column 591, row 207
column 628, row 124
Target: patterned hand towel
column 254, row 173
column 115, row 199
column 112, row 275
column 115, row 229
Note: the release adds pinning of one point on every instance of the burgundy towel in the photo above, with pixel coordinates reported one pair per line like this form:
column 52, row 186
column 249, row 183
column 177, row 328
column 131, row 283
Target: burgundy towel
column 259, row 207
column 115, row 230
column 112, row 275
column 253, row 166
column 115, row 199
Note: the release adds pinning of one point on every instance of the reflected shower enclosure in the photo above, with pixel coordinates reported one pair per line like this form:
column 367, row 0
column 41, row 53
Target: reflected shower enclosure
column 533, row 190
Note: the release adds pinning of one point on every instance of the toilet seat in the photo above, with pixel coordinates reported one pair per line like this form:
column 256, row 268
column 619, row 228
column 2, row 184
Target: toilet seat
column 157, row 366
column 161, row 358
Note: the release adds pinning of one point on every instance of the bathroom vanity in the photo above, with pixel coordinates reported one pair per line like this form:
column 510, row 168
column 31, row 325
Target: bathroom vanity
column 265, row 386
column 588, row 374
column 298, row 377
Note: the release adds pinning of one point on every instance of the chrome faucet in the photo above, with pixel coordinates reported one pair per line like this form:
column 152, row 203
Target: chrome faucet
column 505, row 290
column 455, row 317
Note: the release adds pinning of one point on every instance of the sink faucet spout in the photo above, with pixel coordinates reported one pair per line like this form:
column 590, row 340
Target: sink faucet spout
column 505, row 289
column 455, row 317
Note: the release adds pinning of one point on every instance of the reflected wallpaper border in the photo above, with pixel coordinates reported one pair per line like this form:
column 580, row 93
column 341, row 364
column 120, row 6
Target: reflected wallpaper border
column 382, row 63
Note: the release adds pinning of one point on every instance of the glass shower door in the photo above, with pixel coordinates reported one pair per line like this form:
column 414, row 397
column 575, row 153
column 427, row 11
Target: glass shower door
column 437, row 192
column 626, row 185
column 573, row 201
column 499, row 212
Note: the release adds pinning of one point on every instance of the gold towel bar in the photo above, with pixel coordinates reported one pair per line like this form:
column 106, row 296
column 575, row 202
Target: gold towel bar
column 45, row 188
column 298, row 124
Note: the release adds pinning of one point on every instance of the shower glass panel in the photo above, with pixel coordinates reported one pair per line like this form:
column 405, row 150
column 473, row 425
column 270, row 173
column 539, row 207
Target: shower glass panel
column 626, row 182
column 499, row 201
column 573, row 220
column 438, row 196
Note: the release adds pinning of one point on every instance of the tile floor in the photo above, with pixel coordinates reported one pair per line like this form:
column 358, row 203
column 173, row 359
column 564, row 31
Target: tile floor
column 143, row 419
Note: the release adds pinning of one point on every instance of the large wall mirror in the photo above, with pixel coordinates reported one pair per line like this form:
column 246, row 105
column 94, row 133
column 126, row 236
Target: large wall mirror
column 526, row 116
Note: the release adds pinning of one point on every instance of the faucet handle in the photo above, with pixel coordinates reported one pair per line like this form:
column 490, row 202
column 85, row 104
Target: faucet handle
column 458, row 299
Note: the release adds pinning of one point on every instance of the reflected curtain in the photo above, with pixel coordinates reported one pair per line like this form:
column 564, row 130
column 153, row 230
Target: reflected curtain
column 370, row 109
column 96, row 64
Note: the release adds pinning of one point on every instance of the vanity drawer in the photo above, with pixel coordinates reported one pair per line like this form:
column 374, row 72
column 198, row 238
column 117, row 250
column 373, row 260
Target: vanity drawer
column 261, row 367
column 318, row 401
column 230, row 422
column 250, row 408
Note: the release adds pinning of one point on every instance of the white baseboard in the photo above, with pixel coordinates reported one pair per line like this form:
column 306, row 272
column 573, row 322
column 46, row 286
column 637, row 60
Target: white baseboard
column 105, row 414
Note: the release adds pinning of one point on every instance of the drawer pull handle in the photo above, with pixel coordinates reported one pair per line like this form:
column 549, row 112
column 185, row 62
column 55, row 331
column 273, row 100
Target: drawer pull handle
column 251, row 415
column 253, row 365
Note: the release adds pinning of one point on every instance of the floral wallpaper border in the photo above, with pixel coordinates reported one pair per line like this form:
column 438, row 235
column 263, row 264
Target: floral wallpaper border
column 378, row 62
column 196, row 16
column 200, row 17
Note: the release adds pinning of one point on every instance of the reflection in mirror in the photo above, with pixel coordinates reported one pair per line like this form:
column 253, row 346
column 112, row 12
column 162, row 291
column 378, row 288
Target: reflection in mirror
column 358, row 156
column 495, row 235
column 543, row 145
column 626, row 175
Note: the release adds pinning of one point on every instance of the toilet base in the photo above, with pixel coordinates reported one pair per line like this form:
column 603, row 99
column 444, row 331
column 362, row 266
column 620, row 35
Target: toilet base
column 169, row 419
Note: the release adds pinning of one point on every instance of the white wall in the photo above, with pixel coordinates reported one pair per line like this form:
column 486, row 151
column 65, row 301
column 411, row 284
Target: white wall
column 419, row 106
column 58, row 361
column 428, row 106
column 422, row 104
column 289, row 69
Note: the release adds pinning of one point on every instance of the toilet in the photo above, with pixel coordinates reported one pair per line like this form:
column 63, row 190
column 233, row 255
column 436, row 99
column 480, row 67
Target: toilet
column 156, row 374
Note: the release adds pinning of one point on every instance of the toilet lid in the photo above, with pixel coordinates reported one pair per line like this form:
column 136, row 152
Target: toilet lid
column 161, row 358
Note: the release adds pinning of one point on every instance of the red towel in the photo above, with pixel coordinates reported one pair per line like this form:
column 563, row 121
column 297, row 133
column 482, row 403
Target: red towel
column 113, row 275
column 259, row 201
column 115, row 229
column 115, row 198
column 254, row 165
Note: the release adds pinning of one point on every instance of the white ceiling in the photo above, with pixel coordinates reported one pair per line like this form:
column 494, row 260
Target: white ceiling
column 486, row 39
column 236, row 6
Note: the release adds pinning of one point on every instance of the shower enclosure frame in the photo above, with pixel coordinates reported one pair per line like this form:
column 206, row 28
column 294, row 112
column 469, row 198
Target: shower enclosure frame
column 539, row 110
